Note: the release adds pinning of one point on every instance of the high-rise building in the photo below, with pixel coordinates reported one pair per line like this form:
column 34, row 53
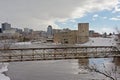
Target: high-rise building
column 19, row 30
column 27, row 30
column 49, row 30
column 83, row 32
column 91, row 32
column 6, row 26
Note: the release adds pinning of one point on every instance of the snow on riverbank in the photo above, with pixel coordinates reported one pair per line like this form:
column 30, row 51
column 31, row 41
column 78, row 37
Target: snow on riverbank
column 99, row 41
column 3, row 68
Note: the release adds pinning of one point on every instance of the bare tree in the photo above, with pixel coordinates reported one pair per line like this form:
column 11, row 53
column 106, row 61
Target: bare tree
column 112, row 74
column 5, row 44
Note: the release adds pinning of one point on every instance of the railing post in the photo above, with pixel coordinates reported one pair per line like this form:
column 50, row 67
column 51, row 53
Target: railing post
column 95, row 52
column 33, row 54
column 76, row 52
column 21, row 55
column 86, row 52
column 54, row 54
column 65, row 52
column 43, row 53
column 10, row 57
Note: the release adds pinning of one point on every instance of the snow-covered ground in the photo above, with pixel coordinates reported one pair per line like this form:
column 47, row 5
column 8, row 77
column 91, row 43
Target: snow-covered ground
column 99, row 42
column 3, row 68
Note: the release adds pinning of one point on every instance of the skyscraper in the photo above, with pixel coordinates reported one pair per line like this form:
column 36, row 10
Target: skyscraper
column 49, row 30
column 6, row 26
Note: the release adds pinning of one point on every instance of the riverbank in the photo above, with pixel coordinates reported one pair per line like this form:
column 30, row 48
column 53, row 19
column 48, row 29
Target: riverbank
column 3, row 69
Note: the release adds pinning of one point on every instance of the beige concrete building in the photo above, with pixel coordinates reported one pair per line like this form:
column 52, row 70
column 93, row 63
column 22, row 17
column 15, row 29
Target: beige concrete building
column 73, row 36
column 69, row 37
column 83, row 32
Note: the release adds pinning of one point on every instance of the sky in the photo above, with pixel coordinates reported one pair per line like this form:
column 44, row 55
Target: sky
column 102, row 15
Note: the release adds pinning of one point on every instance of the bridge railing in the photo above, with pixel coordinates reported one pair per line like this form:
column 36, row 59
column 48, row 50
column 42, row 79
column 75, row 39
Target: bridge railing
column 25, row 54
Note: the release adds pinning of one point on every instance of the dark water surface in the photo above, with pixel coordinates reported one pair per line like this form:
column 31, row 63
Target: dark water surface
column 54, row 70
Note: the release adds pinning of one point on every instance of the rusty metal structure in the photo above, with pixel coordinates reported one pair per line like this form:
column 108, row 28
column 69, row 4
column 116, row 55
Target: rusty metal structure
column 57, row 53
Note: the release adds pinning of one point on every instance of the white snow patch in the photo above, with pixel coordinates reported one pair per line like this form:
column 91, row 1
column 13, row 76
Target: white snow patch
column 99, row 41
column 3, row 68
column 23, row 43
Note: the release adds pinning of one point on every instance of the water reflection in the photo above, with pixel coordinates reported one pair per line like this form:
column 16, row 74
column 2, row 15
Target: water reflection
column 108, row 68
column 116, row 61
column 59, row 69
column 83, row 62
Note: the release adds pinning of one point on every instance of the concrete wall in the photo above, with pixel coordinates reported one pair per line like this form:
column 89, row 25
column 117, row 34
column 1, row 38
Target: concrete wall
column 66, row 37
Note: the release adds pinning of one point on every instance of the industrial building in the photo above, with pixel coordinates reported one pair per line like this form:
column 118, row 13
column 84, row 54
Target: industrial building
column 73, row 36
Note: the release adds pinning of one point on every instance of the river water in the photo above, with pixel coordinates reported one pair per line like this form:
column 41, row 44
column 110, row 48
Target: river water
column 73, row 69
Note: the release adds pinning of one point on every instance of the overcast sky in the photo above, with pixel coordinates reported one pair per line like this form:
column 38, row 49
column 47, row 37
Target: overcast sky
column 102, row 15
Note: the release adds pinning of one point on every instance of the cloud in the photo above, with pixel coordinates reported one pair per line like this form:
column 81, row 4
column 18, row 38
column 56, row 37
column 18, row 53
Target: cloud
column 104, row 17
column 38, row 14
column 72, row 20
column 115, row 18
column 96, row 15
column 105, row 29
column 93, row 6
column 117, row 7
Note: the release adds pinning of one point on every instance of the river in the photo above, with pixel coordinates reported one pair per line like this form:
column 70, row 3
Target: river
column 73, row 69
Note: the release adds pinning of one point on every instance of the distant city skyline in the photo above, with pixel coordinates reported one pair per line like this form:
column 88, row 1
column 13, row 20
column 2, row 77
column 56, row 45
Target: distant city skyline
column 102, row 15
